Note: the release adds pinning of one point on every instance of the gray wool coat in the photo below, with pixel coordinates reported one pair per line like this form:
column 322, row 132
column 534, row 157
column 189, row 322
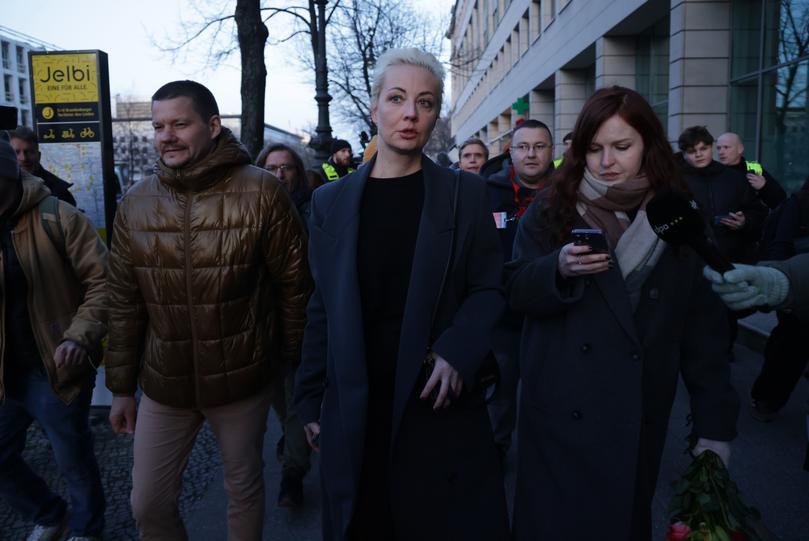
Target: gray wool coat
column 598, row 382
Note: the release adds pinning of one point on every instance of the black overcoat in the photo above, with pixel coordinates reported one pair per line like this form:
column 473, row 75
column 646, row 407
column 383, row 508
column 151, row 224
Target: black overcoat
column 445, row 478
column 598, row 382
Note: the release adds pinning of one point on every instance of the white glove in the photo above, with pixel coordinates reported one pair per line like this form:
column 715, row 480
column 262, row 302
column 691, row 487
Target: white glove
column 721, row 448
column 747, row 286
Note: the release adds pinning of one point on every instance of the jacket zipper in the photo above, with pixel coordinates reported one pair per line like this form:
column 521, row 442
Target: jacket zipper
column 189, row 290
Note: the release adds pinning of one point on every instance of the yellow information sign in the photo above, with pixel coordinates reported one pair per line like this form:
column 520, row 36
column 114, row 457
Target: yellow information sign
column 65, row 78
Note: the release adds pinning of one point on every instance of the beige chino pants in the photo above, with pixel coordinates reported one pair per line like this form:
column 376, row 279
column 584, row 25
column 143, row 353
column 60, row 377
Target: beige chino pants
column 164, row 437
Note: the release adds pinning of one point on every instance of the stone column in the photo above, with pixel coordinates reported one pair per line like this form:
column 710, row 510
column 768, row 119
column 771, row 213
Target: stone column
column 699, row 56
column 541, row 106
column 615, row 61
column 571, row 93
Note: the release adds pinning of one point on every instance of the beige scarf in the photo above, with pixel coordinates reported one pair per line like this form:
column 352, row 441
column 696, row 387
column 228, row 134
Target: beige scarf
column 606, row 206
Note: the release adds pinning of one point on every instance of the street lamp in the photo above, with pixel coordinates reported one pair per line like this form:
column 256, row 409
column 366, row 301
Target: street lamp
column 322, row 140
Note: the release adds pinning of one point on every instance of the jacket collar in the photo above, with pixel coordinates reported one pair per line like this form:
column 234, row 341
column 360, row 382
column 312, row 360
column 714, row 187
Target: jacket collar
column 437, row 197
column 227, row 153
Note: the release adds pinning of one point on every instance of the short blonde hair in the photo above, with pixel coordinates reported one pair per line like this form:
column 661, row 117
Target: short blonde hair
column 409, row 56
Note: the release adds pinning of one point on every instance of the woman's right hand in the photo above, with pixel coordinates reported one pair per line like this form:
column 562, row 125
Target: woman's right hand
column 312, row 431
column 577, row 261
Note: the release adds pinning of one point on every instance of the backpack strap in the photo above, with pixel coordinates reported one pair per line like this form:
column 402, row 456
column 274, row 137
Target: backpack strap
column 49, row 217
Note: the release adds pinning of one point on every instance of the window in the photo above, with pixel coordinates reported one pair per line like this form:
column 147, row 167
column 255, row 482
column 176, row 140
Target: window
column 768, row 87
column 8, row 87
column 549, row 13
column 22, row 85
column 536, row 19
column 20, row 59
column 652, row 67
column 6, row 55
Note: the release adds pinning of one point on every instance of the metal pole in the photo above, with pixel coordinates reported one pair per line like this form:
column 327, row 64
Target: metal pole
column 322, row 141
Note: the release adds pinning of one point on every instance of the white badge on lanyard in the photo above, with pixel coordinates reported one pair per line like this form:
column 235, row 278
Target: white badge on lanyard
column 500, row 219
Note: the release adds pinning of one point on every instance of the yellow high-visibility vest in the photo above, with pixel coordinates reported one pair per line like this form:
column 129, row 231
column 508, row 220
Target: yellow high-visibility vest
column 557, row 162
column 331, row 172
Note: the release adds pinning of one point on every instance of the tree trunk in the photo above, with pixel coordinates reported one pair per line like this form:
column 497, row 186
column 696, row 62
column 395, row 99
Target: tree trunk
column 252, row 35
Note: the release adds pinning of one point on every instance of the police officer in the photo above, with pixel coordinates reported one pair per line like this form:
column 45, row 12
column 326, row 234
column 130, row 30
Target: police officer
column 339, row 163
column 730, row 149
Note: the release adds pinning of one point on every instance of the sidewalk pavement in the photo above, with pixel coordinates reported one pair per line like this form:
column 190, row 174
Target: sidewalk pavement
column 766, row 464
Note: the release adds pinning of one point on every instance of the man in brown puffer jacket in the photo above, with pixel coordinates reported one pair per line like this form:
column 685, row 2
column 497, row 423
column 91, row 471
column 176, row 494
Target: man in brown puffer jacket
column 208, row 287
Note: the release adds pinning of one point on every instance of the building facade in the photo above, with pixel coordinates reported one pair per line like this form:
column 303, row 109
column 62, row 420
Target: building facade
column 738, row 65
column 15, row 90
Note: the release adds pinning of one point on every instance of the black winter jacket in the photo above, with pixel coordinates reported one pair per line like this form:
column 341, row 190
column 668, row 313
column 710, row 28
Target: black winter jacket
column 772, row 194
column 720, row 190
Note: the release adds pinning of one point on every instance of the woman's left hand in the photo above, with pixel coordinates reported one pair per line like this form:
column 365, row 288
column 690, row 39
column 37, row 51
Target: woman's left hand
column 447, row 378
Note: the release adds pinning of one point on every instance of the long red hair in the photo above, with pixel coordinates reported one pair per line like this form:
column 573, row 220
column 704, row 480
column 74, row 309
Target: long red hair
column 659, row 165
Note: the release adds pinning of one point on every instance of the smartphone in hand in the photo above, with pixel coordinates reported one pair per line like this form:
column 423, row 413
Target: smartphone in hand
column 594, row 238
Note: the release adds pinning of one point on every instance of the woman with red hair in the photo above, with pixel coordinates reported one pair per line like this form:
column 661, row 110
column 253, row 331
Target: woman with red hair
column 608, row 333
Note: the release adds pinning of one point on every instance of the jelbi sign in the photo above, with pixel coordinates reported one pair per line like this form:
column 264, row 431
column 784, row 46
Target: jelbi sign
column 72, row 117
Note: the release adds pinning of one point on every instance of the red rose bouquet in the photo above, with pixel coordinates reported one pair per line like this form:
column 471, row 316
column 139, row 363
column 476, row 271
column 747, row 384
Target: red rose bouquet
column 707, row 506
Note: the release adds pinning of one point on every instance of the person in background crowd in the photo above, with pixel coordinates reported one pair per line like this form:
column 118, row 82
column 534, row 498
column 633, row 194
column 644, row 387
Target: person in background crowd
column 26, row 146
column 339, row 163
column 779, row 285
column 733, row 212
column 208, row 284
column 283, row 162
column 472, row 155
column 565, row 141
column 608, row 334
column 496, row 164
column 730, row 150
column 54, row 316
column 785, row 356
column 391, row 400
column 510, row 193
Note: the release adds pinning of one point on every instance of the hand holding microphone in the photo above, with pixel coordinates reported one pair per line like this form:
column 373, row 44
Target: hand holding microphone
column 747, row 286
column 675, row 219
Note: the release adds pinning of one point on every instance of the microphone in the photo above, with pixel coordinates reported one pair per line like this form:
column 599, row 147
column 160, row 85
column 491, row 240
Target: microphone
column 674, row 218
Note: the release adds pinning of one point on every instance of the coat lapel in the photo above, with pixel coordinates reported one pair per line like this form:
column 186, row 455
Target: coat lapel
column 613, row 289
column 429, row 261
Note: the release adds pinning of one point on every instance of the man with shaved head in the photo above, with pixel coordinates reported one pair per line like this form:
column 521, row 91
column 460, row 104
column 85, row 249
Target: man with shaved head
column 730, row 149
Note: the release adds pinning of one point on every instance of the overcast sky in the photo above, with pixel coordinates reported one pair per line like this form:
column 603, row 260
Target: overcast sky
column 127, row 32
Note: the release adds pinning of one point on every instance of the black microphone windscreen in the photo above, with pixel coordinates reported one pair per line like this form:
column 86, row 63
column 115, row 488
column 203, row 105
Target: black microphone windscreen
column 675, row 218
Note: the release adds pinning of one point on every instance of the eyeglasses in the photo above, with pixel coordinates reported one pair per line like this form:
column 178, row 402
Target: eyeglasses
column 523, row 148
column 275, row 168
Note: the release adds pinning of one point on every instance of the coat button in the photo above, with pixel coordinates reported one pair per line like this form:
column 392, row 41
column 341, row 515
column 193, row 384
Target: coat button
column 635, row 357
column 585, row 348
column 654, row 293
column 576, row 415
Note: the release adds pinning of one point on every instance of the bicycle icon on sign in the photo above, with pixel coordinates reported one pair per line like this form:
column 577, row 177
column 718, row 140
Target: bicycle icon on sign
column 87, row 133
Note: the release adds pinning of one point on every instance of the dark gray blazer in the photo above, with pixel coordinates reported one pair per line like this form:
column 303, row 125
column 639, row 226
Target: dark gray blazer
column 445, row 479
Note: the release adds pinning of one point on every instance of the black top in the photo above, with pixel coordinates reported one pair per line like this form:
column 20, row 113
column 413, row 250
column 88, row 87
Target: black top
column 389, row 223
column 20, row 351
